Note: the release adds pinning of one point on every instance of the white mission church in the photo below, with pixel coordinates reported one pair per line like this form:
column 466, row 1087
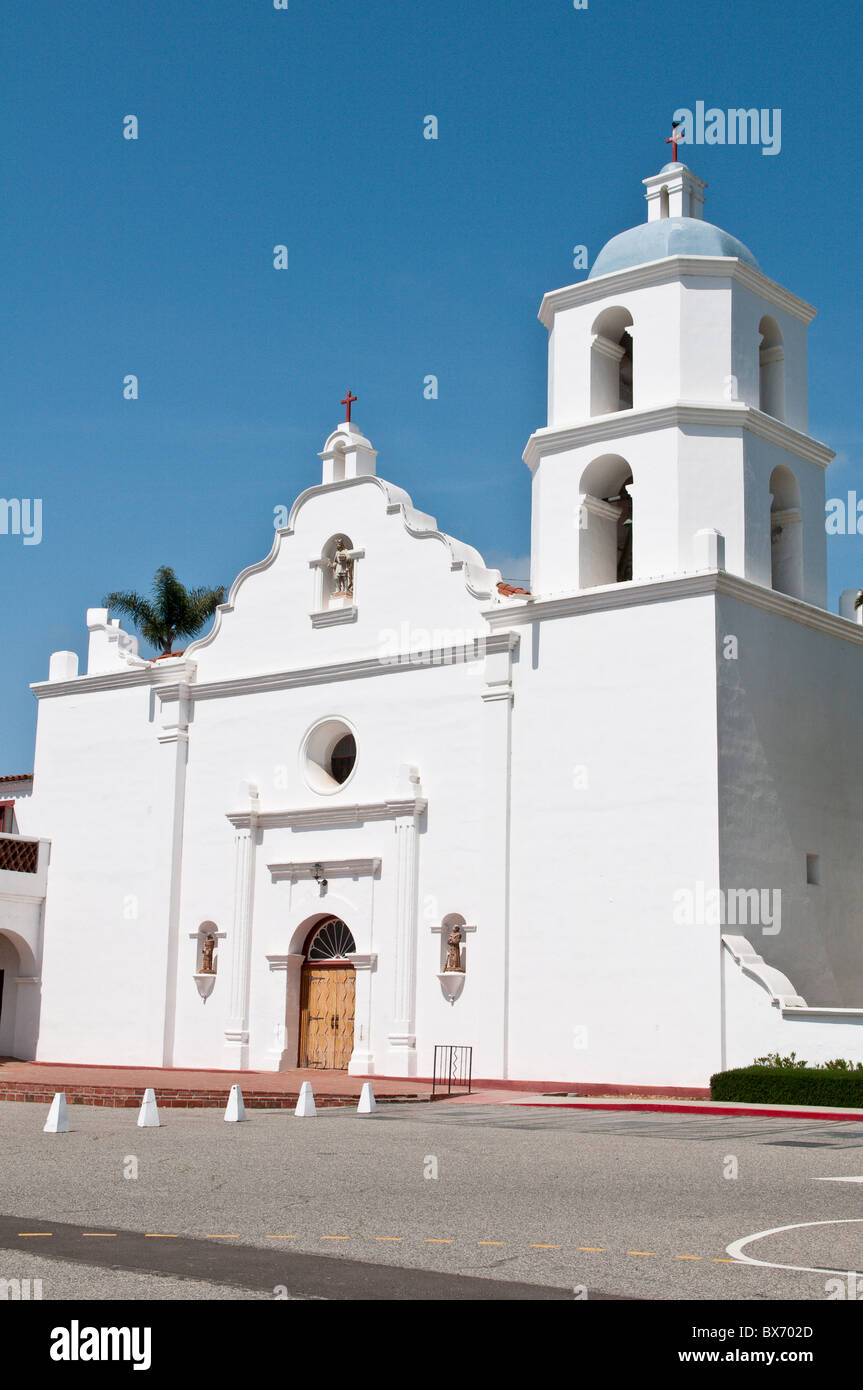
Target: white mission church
column 605, row 831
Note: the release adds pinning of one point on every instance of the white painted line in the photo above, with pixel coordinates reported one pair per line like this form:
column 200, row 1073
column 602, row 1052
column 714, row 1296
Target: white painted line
column 839, row 1179
column 735, row 1250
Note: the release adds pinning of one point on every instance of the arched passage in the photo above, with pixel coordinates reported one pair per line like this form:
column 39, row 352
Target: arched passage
column 19, row 1003
column 605, row 523
column 786, row 533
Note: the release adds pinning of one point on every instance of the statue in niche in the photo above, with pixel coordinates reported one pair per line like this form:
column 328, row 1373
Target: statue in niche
column 207, row 967
column 453, row 955
column 342, row 566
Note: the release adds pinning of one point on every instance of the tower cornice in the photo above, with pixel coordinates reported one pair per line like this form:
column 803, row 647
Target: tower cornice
column 681, row 415
column 721, row 583
column 675, row 268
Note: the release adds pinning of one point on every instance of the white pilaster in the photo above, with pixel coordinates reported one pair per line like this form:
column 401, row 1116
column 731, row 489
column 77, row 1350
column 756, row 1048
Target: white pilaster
column 173, row 759
column 362, row 1061
column 402, row 1054
column 488, row 967
column 237, row 1031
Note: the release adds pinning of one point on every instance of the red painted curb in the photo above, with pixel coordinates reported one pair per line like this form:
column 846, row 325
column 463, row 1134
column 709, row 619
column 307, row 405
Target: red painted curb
column 649, row 1107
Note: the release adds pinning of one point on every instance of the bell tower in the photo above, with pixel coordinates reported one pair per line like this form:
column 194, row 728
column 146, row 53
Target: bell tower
column 677, row 437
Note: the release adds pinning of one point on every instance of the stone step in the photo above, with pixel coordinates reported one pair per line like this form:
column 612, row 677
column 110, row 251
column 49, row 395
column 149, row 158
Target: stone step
column 127, row 1097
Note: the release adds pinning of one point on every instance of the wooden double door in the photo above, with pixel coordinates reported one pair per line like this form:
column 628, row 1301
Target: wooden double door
column 326, row 1016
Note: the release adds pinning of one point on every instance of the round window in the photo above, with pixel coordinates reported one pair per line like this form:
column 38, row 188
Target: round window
column 329, row 755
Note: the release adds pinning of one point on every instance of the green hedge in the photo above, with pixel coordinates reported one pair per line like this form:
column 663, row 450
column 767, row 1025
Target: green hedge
column 789, row 1086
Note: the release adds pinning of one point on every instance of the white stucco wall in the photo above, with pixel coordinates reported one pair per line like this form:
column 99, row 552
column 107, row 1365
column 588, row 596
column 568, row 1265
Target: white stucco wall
column 624, row 701
column 791, row 784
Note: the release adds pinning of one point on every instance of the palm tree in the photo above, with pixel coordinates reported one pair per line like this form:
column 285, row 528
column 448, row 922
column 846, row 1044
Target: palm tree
column 173, row 612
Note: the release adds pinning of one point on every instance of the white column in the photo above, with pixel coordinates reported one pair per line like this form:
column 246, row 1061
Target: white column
column 237, row 1031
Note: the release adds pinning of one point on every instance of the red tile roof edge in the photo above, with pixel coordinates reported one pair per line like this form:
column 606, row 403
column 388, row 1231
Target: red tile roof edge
column 509, row 589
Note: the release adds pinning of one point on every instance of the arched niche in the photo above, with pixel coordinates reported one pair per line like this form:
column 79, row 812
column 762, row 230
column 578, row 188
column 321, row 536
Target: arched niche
column 205, row 930
column 611, row 362
column 605, row 523
column 771, row 369
column 786, row 533
column 337, row 570
column 452, row 919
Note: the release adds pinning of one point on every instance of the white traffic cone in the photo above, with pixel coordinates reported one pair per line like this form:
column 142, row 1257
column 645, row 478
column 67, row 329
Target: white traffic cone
column 305, row 1101
column 58, row 1116
column 235, row 1110
column 368, row 1105
column 148, row 1115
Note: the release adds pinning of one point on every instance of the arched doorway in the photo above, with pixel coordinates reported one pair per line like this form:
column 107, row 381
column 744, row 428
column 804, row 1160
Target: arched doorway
column 327, row 997
column 19, row 998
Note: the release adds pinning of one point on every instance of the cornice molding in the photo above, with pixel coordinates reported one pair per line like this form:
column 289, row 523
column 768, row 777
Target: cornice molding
column 675, row 415
column 310, row 817
column 674, row 587
column 675, row 268
column 154, row 675
column 486, row 644
column 331, row 868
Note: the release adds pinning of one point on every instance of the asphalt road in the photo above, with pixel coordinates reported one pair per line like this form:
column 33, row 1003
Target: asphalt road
column 425, row 1202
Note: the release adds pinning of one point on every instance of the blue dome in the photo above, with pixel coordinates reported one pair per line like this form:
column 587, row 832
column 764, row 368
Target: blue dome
column 668, row 236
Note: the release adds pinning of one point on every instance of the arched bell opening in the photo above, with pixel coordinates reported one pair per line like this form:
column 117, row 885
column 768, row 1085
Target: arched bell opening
column 611, row 362
column 605, row 547
column 786, row 533
column 771, row 369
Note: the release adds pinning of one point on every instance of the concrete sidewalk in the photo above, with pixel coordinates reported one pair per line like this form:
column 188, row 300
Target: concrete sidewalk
column 672, row 1106
column 124, row 1086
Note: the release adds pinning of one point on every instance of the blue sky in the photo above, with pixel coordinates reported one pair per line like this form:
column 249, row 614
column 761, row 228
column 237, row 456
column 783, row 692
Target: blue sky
column 407, row 257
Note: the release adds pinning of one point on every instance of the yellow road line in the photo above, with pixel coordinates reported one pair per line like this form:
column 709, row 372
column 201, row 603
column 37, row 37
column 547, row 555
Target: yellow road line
column 429, row 1240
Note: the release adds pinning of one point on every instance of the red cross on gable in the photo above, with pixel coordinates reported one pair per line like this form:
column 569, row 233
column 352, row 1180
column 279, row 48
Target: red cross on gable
column 348, row 401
